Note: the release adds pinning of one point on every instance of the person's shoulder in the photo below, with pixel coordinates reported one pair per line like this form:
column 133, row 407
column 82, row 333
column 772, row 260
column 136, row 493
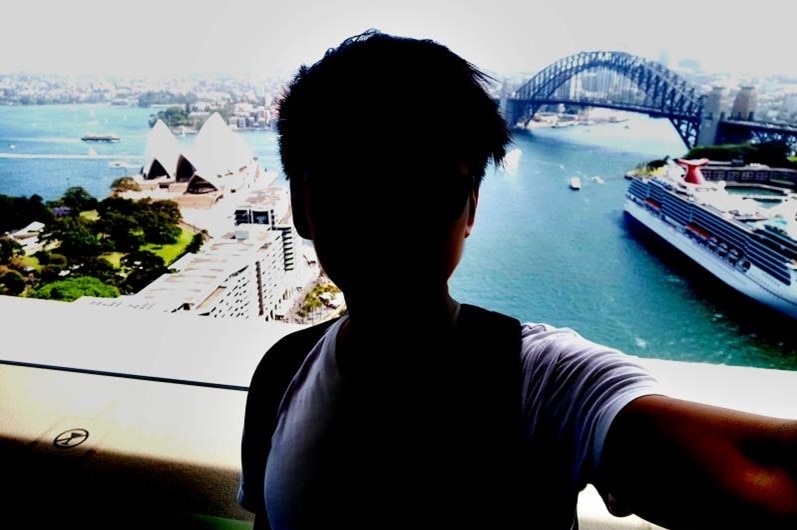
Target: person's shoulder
column 290, row 351
column 308, row 334
column 541, row 340
column 535, row 332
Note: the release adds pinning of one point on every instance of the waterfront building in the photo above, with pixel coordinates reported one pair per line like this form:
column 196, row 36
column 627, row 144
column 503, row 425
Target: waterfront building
column 218, row 161
column 758, row 173
column 162, row 153
column 242, row 277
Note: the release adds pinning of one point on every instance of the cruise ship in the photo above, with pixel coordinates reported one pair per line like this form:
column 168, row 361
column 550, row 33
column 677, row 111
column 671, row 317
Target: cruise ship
column 748, row 240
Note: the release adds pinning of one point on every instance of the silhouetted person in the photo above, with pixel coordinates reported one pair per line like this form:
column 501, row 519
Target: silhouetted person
column 415, row 411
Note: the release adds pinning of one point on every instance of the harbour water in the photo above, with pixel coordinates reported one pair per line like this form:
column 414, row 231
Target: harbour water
column 540, row 251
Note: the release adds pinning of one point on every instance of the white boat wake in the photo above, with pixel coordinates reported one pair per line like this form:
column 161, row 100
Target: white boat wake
column 512, row 161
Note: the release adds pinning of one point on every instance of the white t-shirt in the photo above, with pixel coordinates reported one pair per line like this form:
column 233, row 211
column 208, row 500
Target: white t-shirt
column 570, row 384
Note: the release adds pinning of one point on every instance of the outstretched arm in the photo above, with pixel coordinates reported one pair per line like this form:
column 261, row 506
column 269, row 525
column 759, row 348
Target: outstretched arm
column 685, row 465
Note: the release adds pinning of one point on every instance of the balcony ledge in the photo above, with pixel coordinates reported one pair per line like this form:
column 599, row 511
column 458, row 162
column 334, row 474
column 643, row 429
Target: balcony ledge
column 162, row 397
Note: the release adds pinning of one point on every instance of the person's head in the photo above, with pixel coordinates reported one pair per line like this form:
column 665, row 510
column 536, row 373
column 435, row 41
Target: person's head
column 388, row 136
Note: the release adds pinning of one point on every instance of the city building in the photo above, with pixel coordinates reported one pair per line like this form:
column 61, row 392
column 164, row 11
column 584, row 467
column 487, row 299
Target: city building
column 28, row 238
column 241, row 277
column 271, row 207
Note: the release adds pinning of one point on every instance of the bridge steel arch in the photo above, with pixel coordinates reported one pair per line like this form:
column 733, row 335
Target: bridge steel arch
column 667, row 95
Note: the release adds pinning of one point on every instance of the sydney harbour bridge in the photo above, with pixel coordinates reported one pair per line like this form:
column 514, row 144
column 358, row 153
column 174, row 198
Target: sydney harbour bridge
column 622, row 81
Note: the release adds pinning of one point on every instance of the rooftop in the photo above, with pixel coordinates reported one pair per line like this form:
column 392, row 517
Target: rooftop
column 272, row 197
column 202, row 274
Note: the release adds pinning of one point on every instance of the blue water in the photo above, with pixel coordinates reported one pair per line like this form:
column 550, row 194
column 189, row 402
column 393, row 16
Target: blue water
column 49, row 155
column 540, row 251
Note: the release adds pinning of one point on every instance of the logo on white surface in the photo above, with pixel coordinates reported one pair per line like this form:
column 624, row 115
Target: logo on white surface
column 71, row 438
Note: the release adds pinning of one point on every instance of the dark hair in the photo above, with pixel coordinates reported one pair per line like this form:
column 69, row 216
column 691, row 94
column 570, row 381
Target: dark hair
column 389, row 100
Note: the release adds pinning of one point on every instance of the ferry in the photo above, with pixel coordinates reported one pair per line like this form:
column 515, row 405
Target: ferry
column 746, row 243
column 94, row 137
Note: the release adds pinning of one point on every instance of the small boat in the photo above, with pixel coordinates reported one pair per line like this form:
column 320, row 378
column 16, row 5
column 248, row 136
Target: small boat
column 575, row 183
column 121, row 164
column 12, row 146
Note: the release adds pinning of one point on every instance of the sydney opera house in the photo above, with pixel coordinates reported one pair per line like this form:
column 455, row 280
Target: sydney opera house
column 219, row 160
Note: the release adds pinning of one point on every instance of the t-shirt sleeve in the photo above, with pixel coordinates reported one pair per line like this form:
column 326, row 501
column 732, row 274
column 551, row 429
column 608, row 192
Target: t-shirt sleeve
column 573, row 389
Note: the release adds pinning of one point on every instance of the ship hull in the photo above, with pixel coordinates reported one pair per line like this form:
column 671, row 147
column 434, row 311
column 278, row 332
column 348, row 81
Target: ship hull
column 752, row 283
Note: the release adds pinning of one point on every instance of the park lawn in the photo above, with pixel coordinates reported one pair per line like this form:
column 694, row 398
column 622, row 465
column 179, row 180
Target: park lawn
column 31, row 261
column 91, row 215
column 114, row 258
column 170, row 252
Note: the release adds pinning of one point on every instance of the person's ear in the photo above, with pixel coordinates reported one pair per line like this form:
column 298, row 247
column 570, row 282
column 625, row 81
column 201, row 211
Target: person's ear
column 298, row 205
column 473, row 201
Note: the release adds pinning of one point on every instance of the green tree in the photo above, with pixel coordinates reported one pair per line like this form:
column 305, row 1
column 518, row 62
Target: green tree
column 117, row 205
column 123, row 184
column 43, row 256
column 9, row 249
column 73, row 288
column 50, row 273
column 169, row 210
column 12, row 283
column 172, row 117
column 158, row 230
column 196, row 242
column 158, row 221
column 58, row 260
column 78, row 199
column 18, row 212
column 142, row 268
column 122, row 231
column 99, row 268
column 76, row 236
column 773, row 154
column 54, row 265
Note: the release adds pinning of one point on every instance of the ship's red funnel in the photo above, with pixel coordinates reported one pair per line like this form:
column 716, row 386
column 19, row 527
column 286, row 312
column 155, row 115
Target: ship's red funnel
column 693, row 173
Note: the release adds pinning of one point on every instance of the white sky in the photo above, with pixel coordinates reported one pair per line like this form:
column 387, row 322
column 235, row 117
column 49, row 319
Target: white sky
column 164, row 37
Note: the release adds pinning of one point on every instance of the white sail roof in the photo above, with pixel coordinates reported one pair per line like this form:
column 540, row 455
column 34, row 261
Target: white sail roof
column 218, row 154
column 162, row 147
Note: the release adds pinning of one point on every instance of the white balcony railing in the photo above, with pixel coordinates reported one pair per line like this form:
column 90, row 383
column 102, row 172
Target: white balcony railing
column 162, row 396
